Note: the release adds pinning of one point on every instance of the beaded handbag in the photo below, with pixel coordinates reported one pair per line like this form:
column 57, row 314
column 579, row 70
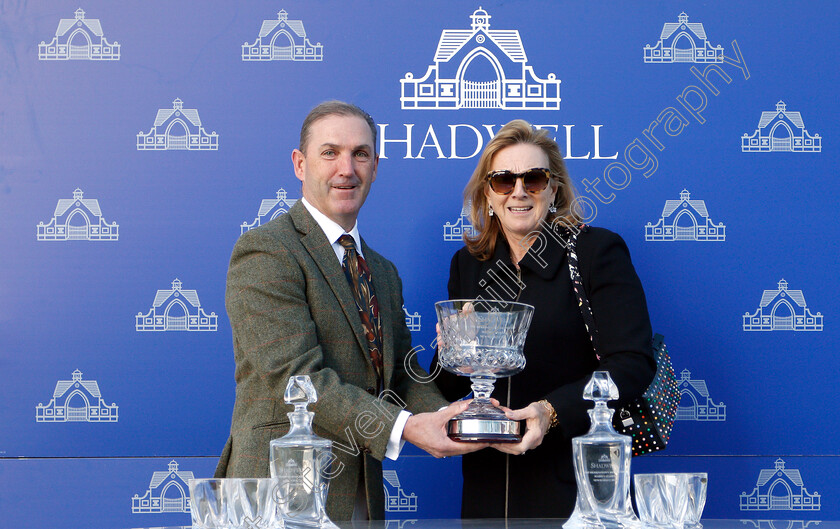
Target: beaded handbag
column 649, row 419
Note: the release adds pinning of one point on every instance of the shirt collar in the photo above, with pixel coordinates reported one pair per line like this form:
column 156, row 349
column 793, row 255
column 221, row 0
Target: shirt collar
column 333, row 231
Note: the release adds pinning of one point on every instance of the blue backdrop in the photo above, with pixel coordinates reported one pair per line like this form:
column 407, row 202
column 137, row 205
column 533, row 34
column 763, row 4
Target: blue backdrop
column 138, row 140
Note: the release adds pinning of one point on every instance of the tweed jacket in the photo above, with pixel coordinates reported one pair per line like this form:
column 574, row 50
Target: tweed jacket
column 292, row 312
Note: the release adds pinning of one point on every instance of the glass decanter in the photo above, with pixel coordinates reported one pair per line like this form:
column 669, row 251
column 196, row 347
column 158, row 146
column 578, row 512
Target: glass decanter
column 602, row 466
column 302, row 462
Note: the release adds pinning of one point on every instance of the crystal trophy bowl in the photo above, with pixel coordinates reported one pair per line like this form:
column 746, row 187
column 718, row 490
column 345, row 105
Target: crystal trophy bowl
column 483, row 340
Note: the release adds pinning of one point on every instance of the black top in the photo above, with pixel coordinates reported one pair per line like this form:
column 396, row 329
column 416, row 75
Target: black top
column 559, row 360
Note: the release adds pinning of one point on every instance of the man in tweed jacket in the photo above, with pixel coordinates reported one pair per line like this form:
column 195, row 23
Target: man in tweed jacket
column 292, row 312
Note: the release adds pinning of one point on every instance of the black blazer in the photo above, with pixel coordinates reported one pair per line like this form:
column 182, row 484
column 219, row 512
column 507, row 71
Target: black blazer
column 560, row 360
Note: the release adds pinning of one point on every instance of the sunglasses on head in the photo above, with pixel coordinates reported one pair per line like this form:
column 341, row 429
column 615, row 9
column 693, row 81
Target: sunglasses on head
column 533, row 180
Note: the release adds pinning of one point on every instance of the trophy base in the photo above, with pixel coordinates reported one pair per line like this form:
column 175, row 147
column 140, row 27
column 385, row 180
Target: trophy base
column 480, row 430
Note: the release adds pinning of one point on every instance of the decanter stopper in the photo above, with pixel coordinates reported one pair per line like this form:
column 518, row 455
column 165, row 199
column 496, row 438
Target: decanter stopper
column 600, row 387
column 300, row 392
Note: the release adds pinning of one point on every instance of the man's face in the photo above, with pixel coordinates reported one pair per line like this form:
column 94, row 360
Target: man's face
column 338, row 167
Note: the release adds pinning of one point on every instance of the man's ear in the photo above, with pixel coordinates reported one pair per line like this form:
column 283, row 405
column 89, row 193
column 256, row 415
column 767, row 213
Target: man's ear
column 299, row 164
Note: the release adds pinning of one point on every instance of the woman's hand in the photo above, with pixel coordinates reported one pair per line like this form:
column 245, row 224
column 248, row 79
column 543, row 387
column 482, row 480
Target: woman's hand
column 537, row 421
column 466, row 310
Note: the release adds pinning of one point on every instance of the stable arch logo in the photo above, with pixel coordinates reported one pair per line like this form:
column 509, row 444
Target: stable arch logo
column 480, row 68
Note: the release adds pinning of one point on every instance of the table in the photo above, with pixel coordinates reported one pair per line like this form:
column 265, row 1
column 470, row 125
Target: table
column 556, row 523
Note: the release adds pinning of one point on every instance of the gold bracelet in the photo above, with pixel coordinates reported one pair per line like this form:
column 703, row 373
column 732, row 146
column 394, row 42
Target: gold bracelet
column 552, row 415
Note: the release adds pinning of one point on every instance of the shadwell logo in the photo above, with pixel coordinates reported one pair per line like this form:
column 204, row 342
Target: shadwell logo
column 683, row 41
column 780, row 489
column 781, row 130
column 168, row 491
column 480, row 68
column 177, row 129
column 685, row 220
column 78, row 219
column 176, row 309
column 270, row 209
column 783, row 309
column 282, row 39
column 77, row 400
column 79, row 39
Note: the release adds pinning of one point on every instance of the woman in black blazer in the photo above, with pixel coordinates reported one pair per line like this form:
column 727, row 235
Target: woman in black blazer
column 522, row 203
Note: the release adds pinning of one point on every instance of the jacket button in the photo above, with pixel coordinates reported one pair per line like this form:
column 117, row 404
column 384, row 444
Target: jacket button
column 372, row 391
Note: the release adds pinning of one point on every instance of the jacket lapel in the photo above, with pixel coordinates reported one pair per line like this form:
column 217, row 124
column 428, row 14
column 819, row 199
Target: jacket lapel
column 321, row 251
column 383, row 288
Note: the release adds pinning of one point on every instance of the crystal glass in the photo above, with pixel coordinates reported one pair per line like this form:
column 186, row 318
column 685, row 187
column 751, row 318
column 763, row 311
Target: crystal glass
column 252, row 503
column 659, row 501
column 482, row 339
column 208, row 505
column 671, row 500
column 695, row 488
column 302, row 462
column 602, row 466
column 235, row 503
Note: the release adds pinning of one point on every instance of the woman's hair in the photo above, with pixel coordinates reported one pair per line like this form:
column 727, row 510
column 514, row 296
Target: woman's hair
column 487, row 228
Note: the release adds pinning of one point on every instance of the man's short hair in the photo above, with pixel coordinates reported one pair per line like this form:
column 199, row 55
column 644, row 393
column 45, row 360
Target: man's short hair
column 333, row 108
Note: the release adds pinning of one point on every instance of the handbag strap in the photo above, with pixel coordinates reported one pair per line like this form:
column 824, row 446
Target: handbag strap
column 580, row 292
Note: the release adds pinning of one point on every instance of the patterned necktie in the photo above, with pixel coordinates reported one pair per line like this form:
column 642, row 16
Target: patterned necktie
column 361, row 283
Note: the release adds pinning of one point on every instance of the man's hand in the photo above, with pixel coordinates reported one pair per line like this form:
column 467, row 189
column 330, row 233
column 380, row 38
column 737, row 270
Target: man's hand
column 537, row 421
column 428, row 431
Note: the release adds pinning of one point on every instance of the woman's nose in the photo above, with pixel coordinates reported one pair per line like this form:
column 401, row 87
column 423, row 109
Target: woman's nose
column 519, row 188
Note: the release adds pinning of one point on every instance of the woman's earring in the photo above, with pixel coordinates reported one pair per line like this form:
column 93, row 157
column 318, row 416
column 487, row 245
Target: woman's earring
column 552, row 208
column 490, row 210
